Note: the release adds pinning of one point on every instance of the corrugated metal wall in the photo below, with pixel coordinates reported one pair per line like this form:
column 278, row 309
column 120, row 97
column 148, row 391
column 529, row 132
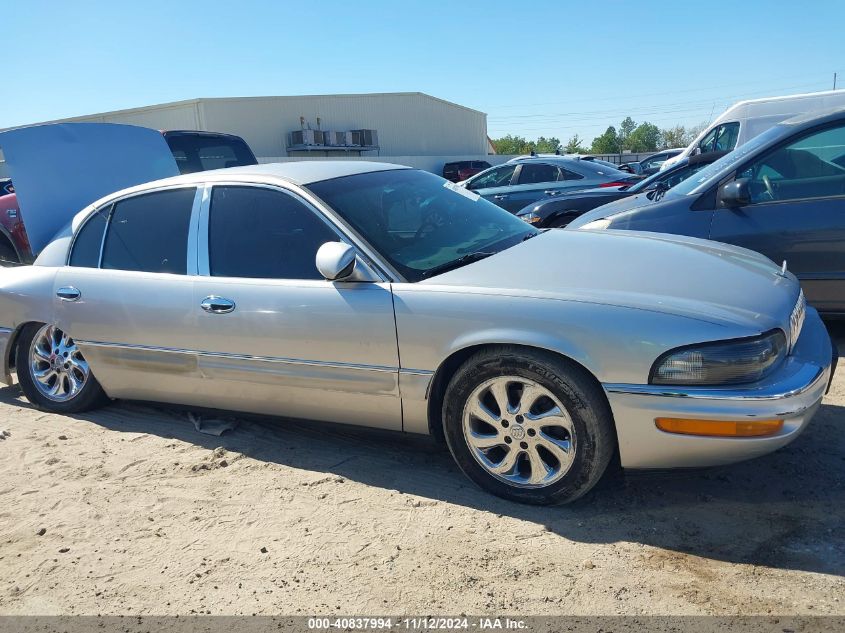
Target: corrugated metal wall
column 408, row 124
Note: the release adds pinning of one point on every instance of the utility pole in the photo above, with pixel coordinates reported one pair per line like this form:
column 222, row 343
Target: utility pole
column 834, row 81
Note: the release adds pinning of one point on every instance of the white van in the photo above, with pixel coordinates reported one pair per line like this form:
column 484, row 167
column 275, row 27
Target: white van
column 746, row 119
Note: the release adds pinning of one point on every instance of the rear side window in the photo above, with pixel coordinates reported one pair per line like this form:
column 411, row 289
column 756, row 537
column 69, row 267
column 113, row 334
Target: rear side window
column 149, row 232
column 538, row 172
column 262, row 233
column 89, row 239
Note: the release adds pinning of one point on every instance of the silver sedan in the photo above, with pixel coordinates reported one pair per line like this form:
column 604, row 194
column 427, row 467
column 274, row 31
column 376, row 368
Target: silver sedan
column 387, row 297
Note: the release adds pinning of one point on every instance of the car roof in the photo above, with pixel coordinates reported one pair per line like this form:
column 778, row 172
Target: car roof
column 817, row 117
column 300, row 173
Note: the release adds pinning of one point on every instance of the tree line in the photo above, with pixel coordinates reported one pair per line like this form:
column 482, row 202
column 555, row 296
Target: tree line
column 630, row 136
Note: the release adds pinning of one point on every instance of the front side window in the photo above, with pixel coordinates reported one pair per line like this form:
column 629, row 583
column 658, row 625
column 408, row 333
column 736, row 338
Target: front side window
column 707, row 143
column 811, row 167
column 726, row 136
column 89, row 240
column 498, row 177
column 418, row 222
column 263, row 233
column 149, row 232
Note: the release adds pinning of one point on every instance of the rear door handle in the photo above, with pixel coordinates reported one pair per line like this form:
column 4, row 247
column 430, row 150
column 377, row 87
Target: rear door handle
column 217, row 305
column 551, row 192
column 68, row 293
column 501, row 196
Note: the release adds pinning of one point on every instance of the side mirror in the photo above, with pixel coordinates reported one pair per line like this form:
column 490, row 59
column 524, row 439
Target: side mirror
column 337, row 261
column 735, row 194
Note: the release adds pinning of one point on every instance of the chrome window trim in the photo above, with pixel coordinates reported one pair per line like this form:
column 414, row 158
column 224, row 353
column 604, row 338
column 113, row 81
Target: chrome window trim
column 802, row 381
column 296, row 193
column 193, row 230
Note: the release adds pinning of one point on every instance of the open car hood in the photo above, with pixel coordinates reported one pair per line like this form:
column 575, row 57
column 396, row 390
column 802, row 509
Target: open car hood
column 58, row 169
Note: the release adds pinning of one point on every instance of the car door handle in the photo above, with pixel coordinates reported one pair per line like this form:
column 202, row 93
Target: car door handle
column 217, row 305
column 501, row 196
column 68, row 293
column 551, row 192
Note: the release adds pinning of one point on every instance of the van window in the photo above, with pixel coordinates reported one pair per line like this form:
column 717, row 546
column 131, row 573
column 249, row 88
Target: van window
column 721, row 138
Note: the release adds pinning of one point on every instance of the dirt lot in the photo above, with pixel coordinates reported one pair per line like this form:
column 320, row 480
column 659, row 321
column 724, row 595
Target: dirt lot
column 130, row 510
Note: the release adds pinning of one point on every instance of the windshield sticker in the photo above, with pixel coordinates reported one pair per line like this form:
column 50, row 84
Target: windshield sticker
column 466, row 193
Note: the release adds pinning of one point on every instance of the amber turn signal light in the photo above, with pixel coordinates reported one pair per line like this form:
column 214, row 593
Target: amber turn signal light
column 719, row 428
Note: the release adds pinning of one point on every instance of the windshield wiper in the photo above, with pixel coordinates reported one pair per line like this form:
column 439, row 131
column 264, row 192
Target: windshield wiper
column 463, row 260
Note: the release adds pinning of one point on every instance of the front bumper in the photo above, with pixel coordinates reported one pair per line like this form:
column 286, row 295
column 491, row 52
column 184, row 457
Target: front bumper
column 792, row 394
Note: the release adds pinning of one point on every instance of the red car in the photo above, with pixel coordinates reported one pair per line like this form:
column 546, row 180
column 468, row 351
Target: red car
column 194, row 151
column 463, row 169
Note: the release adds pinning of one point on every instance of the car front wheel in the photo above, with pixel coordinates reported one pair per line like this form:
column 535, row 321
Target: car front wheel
column 53, row 373
column 528, row 426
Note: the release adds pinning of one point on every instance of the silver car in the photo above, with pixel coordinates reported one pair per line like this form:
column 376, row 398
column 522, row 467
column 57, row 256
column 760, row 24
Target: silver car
column 387, row 297
column 521, row 181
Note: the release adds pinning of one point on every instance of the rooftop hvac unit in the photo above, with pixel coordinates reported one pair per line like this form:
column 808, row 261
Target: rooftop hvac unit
column 365, row 138
column 337, row 139
column 306, row 137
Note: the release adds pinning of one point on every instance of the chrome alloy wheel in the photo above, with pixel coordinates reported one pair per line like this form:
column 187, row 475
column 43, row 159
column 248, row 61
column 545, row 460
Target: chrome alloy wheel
column 519, row 432
column 57, row 367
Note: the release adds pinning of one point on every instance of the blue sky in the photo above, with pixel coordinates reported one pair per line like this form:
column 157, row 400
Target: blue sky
column 537, row 68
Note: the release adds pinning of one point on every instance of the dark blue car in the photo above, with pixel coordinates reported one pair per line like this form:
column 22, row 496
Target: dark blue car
column 782, row 194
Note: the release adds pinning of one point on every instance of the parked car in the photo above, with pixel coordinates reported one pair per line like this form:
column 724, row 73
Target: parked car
column 651, row 164
column 781, row 194
column 463, row 169
column 746, row 119
column 384, row 296
column 522, row 181
column 558, row 211
column 193, row 150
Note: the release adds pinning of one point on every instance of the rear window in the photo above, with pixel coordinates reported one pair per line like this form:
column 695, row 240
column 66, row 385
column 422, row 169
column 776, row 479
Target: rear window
column 195, row 153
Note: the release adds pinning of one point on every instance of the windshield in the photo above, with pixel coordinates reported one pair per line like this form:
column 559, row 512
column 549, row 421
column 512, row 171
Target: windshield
column 417, row 221
column 692, row 186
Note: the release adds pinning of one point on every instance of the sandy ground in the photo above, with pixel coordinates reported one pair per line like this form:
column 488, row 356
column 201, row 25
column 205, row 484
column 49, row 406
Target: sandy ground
column 131, row 510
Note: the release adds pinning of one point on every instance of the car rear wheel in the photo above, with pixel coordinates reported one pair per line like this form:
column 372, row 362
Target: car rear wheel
column 53, row 373
column 528, row 426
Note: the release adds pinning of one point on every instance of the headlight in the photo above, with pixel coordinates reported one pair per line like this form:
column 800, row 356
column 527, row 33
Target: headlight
column 722, row 363
column 531, row 218
column 596, row 225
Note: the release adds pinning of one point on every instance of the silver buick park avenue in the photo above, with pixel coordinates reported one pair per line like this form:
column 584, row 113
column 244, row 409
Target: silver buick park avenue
column 383, row 296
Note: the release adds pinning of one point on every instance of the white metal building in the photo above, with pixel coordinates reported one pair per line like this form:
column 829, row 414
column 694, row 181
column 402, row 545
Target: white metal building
column 412, row 127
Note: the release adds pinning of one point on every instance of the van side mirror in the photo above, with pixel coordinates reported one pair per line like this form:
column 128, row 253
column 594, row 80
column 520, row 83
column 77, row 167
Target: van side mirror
column 338, row 261
column 735, row 194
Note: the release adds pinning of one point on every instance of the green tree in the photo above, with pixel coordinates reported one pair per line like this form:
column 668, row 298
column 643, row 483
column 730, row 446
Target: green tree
column 547, row 145
column 511, row 144
column 675, row 136
column 607, row 143
column 644, row 138
column 574, row 146
column 625, row 129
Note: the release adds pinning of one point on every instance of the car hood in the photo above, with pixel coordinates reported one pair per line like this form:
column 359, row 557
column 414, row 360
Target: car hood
column 574, row 200
column 685, row 276
column 59, row 169
column 613, row 208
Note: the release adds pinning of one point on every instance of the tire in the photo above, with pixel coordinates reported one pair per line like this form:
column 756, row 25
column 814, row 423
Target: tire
column 477, row 433
column 66, row 366
column 561, row 221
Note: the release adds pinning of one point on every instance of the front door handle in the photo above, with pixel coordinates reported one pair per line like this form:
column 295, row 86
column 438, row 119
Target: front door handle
column 68, row 293
column 551, row 192
column 217, row 305
column 501, row 196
